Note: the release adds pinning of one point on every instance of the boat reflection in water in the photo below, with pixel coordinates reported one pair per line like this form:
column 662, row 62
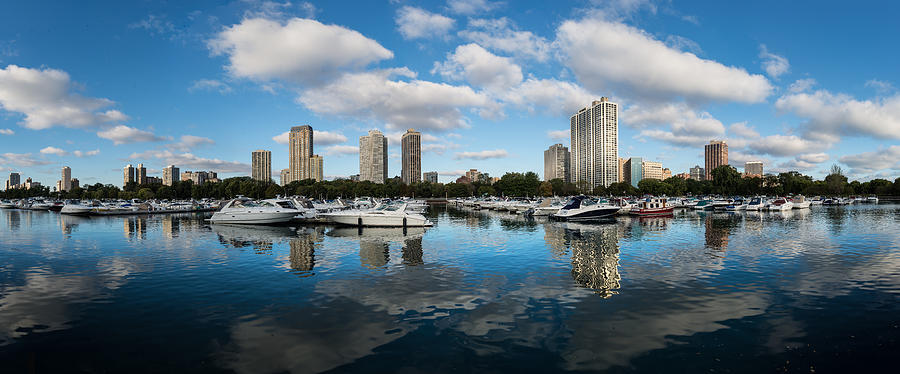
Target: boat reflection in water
column 375, row 243
column 595, row 256
column 261, row 238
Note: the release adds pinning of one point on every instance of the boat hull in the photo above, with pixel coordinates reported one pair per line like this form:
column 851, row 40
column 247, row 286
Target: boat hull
column 588, row 215
column 254, row 218
column 653, row 212
column 379, row 221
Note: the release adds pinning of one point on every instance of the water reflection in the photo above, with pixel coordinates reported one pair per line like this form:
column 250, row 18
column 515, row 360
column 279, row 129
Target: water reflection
column 375, row 243
column 595, row 256
column 13, row 219
column 303, row 250
column 260, row 238
column 135, row 227
column 718, row 229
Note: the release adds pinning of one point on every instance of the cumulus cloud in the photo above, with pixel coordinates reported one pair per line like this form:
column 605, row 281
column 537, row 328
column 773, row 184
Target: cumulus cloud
column 277, row 10
column 738, row 158
column 814, row 158
column 319, row 138
column 190, row 142
column 481, row 155
column 77, row 153
column 452, row 173
column 298, row 50
column 554, row 96
column 210, row 85
column 802, row 85
column 470, row 7
column 124, row 135
column 881, row 87
column 7, row 132
column 743, row 130
column 438, row 148
column 20, row 159
column 45, row 98
column 502, row 35
column 53, row 151
column 340, row 150
column 61, row 152
column 605, row 54
column 480, row 68
column 559, row 134
column 673, row 123
column 786, row 145
column 774, row 65
column 680, row 140
column 416, row 23
column 840, row 114
column 870, row 162
column 399, row 104
column 188, row 161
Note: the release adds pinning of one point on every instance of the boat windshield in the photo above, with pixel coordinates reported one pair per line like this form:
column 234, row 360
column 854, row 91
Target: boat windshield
column 388, row 208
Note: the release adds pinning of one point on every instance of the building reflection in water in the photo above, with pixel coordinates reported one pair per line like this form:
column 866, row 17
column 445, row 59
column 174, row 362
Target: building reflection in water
column 303, row 250
column 718, row 230
column 412, row 252
column 135, row 228
column 13, row 219
column 555, row 238
column 171, row 226
column 375, row 244
column 595, row 256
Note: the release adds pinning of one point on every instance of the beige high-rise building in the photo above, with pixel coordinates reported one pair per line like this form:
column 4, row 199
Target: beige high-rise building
column 66, row 179
column 300, row 144
column 128, row 172
column 473, row 175
column 140, row 174
column 261, row 165
column 753, row 168
column 652, row 170
column 285, row 176
column 621, row 171
column 317, row 168
column 411, row 157
column 373, row 157
column 170, row 175
column 715, row 154
column 595, row 144
column 556, row 163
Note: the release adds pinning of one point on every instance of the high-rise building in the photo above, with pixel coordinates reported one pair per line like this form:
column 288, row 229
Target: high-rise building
column 316, row 168
column 300, row 150
column 716, row 154
column 261, row 165
column 595, row 144
column 633, row 170
column 170, row 175
column 651, row 170
column 473, row 175
column 753, row 168
column 431, row 176
column 14, row 180
column 373, row 157
column 128, row 172
column 285, row 176
column 75, row 183
column 66, row 179
column 411, row 157
column 621, row 171
column 697, row 173
column 140, row 174
column 556, row 163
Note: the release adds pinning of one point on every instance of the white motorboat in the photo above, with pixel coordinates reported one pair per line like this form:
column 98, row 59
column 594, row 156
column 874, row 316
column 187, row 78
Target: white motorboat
column 737, row 205
column 364, row 203
column 73, row 208
column 6, row 204
column 872, row 199
column 583, row 208
column 800, row 202
column 780, row 204
column 548, row 207
column 755, row 204
column 245, row 211
column 383, row 215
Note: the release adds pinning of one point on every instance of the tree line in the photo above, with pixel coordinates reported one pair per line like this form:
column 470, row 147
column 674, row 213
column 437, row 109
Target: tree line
column 726, row 180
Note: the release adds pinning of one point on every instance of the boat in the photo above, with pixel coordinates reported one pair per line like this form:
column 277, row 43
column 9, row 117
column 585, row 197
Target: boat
column 780, row 204
column 737, row 205
column 721, row 204
column 383, row 215
column 652, row 207
column 800, row 202
column 6, row 204
column 872, row 199
column 246, row 211
column 583, row 208
column 755, row 204
column 704, row 205
column 76, row 208
column 546, row 208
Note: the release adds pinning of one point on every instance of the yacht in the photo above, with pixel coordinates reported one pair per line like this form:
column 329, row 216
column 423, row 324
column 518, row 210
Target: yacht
column 800, row 202
column 755, row 204
column 583, row 208
column 76, row 208
column 383, row 215
column 363, row 203
column 737, row 205
column 6, row 204
column 546, row 208
column 721, row 204
column 245, row 211
column 780, row 204
column 704, row 205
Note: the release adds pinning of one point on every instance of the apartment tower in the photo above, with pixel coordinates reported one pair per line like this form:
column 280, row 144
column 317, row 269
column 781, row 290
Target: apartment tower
column 300, row 150
column 316, row 168
column 595, row 144
column 754, row 168
column 634, row 170
column 128, row 173
column 411, row 168
column 285, row 175
column 556, row 163
column 171, row 174
column 373, row 157
column 716, row 154
column 65, row 179
column 431, row 176
column 140, row 174
column 652, row 170
column 261, row 165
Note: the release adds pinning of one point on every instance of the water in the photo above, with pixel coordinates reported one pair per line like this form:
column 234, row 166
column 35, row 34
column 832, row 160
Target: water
column 800, row 291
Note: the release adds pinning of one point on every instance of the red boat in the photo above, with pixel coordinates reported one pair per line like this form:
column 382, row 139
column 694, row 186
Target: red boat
column 652, row 207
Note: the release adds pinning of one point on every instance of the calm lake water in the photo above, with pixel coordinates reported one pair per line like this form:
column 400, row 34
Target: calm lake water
column 800, row 291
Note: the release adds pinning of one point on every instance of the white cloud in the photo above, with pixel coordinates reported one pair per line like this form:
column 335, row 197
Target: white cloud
column 815, row 158
column 795, row 165
column 20, row 159
column 554, row 96
column 870, row 162
column 738, row 158
column 680, row 140
column 480, row 68
column 471, row 7
column 86, row 153
column 481, row 155
column 559, row 134
column 53, row 151
column 210, row 85
column 298, row 50
column 686, row 127
column 44, row 97
column 7, row 132
column 188, row 143
column 156, row 25
column 438, row 148
column 340, row 150
column 774, row 65
column 124, row 135
column 319, row 137
column 452, row 173
column 881, row 87
column 416, row 23
column 683, row 44
column 502, row 35
column 802, row 85
column 840, row 114
column 399, row 104
column 606, row 55
column 276, row 10
column 743, row 130
column 189, row 161
column 786, row 145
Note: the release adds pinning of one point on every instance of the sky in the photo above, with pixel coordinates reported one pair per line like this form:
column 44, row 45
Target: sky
column 799, row 85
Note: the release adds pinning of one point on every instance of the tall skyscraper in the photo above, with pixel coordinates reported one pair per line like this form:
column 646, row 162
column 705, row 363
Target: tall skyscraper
column 300, row 149
column 595, row 144
column 261, row 165
column 14, row 180
column 556, row 163
column 411, row 155
column 140, row 174
column 128, row 172
column 170, row 175
column 634, row 171
column 285, row 177
column 316, row 168
column 373, row 157
column 753, row 168
column 697, row 173
column 651, row 170
column 431, row 176
column 716, row 154
column 65, row 180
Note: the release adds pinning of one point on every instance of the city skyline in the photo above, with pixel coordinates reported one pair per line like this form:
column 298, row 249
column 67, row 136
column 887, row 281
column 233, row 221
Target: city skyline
column 781, row 98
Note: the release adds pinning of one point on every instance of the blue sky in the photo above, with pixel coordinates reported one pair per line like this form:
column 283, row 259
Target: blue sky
column 799, row 85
